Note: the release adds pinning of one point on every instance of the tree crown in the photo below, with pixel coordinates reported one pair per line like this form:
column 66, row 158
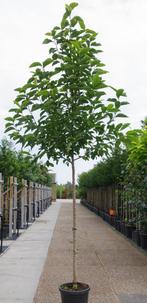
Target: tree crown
column 63, row 108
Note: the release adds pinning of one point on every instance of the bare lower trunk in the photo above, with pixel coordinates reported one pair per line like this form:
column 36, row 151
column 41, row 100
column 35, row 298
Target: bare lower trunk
column 74, row 221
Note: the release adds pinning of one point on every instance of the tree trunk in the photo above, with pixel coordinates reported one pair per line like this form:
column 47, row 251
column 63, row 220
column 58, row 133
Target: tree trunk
column 74, row 221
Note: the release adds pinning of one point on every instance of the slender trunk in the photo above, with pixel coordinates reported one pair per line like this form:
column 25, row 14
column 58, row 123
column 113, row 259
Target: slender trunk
column 74, row 221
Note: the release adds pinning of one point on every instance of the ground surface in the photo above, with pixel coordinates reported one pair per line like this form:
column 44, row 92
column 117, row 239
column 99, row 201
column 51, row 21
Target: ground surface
column 115, row 270
column 22, row 263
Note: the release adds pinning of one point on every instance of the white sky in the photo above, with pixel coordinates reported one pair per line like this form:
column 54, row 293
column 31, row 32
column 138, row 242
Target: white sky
column 121, row 25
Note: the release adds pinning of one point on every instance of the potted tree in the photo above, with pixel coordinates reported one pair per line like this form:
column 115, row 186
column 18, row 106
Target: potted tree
column 64, row 110
column 136, row 171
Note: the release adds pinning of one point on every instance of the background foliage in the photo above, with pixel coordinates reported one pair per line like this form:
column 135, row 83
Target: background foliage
column 21, row 165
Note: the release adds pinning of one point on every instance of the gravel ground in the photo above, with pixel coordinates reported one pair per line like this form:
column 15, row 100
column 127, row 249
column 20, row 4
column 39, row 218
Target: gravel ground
column 115, row 270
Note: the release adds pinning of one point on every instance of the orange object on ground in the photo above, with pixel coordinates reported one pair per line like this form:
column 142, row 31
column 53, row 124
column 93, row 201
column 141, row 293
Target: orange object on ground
column 112, row 212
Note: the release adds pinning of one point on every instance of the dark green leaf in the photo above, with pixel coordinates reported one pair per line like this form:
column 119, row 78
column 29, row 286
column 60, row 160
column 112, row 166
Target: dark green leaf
column 120, row 93
column 34, row 64
column 47, row 62
column 46, row 41
column 9, row 119
column 121, row 115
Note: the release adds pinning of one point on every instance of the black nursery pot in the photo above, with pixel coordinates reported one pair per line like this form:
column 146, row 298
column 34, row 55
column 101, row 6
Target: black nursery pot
column 122, row 227
column 136, row 237
column 128, row 231
column 143, row 238
column 117, row 224
column 5, row 230
column 69, row 295
column 112, row 220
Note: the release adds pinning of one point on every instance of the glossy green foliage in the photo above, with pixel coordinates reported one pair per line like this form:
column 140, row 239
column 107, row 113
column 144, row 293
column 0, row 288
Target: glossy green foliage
column 64, row 108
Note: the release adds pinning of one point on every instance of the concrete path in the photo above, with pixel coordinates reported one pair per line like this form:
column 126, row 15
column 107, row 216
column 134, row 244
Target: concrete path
column 21, row 265
column 115, row 269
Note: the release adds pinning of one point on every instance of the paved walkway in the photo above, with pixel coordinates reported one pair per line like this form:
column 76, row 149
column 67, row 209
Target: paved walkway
column 22, row 264
column 115, row 269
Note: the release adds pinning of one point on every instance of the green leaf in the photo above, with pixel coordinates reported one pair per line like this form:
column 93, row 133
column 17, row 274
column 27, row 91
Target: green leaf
column 74, row 21
column 120, row 93
column 64, row 21
column 48, row 34
column 8, row 129
column 110, row 107
column 18, row 89
column 35, row 107
column 121, row 115
column 124, row 103
column 34, row 64
column 9, row 119
column 47, row 62
column 125, row 125
column 73, row 5
column 81, row 22
column 12, row 110
column 46, row 41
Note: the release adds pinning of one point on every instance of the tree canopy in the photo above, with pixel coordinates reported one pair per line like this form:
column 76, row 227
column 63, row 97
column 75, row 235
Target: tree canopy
column 64, row 108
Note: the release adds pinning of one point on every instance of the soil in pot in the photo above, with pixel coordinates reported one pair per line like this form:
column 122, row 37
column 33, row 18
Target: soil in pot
column 71, row 294
column 143, row 238
column 136, row 237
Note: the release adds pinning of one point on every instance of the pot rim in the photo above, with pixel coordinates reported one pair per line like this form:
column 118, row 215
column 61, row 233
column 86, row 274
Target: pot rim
column 77, row 292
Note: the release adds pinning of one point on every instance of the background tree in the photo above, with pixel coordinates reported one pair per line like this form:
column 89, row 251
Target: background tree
column 109, row 171
column 63, row 108
column 21, row 165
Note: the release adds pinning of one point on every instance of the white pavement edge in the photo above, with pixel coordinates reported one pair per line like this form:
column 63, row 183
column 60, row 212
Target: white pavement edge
column 22, row 264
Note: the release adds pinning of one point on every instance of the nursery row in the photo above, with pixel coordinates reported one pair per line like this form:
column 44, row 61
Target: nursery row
column 20, row 204
column 139, row 236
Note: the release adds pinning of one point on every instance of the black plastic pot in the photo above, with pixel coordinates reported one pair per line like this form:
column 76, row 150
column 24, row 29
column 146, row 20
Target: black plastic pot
column 122, row 227
column 104, row 216
column 112, row 220
column 128, row 231
column 143, row 238
column 117, row 224
column 136, row 237
column 5, row 230
column 74, row 296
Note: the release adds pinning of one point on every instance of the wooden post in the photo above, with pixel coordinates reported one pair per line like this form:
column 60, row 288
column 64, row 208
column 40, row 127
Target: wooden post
column 23, row 203
column 1, row 193
column 35, row 198
column 30, row 201
column 39, row 197
column 14, row 204
column 10, row 207
column 53, row 187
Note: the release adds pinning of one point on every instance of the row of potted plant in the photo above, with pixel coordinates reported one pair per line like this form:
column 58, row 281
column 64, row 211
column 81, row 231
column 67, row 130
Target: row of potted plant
column 126, row 227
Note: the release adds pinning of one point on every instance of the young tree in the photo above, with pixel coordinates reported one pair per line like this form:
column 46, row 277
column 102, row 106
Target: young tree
column 63, row 108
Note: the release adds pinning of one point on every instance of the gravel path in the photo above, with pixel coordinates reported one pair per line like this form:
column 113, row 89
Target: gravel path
column 115, row 270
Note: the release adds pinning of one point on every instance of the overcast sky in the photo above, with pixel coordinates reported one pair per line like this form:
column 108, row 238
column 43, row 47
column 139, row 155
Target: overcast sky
column 121, row 25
